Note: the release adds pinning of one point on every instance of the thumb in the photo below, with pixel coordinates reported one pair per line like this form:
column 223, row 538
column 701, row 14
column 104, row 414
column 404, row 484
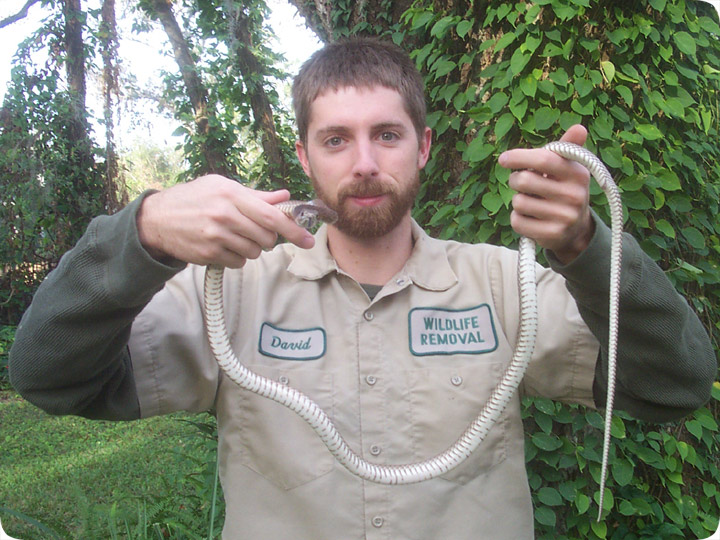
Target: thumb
column 576, row 134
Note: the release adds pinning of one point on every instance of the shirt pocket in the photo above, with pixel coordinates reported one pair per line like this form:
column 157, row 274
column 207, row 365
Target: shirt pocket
column 275, row 442
column 444, row 401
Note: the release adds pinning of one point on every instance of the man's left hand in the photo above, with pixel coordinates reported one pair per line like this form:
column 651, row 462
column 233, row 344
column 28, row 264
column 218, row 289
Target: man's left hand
column 551, row 205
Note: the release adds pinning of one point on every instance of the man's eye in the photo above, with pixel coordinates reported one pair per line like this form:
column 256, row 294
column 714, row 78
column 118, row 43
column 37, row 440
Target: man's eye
column 334, row 141
column 388, row 136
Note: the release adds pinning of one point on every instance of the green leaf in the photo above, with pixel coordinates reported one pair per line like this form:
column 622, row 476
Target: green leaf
column 694, row 427
column 543, row 421
column 505, row 40
column 559, row 77
column 622, row 472
column 625, row 93
column 545, row 516
column 617, row 427
column 673, row 512
column 503, row 125
column 659, row 5
column 546, row 442
column 642, row 507
column 669, row 181
column 442, row 67
column 608, row 68
column 707, row 421
column 649, row 132
column 568, row 119
column 422, row 18
column 528, row 86
column 440, row 28
column 694, row 237
column 532, row 43
column 463, row 28
column 478, row 150
column 673, row 107
column 492, row 202
column 550, row 496
column 685, row 43
column 626, row 508
column 545, row 117
column 545, row 405
column 582, row 503
column 497, row 102
column 600, row 529
column 585, row 109
column 683, row 449
column 664, row 227
column 583, row 87
column 519, row 60
column 519, row 108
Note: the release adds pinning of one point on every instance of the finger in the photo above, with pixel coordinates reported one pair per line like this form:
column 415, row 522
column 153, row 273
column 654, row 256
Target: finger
column 228, row 259
column 261, row 210
column 545, row 210
column 574, row 193
column 544, row 232
column 576, row 134
column 543, row 160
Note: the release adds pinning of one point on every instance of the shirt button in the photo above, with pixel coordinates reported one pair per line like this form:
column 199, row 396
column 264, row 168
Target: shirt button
column 284, row 380
column 456, row 380
column 378, row 521
column 400, row 281
column 369, row 316
column 371, row 379
column 375, row 450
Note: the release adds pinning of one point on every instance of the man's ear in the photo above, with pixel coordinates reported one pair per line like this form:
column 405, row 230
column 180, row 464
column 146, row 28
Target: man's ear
column 302, row 156
column 424, row 147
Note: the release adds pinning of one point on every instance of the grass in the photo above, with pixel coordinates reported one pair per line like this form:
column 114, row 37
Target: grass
column 88, row 479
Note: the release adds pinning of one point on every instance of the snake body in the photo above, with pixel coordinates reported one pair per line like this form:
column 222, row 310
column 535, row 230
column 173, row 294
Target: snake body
column 306, row 214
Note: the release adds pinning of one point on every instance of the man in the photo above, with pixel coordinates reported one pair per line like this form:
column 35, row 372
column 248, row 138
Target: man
column 365, row 317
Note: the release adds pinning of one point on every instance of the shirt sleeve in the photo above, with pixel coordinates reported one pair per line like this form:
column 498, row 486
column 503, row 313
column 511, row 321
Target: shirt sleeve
column 665, row 362
column 70, row 353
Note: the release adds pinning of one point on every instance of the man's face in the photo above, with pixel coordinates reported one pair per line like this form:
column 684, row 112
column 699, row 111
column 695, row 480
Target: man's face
column 363, row 156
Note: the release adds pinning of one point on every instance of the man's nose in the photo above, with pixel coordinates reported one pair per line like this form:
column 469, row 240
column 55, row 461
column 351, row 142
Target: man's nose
column 366, row 164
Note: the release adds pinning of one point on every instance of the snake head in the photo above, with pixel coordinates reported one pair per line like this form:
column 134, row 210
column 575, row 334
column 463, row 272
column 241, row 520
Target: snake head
column 308, row 214
column 305, row 217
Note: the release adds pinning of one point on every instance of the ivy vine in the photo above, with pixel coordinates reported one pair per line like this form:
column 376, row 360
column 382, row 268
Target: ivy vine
column 644, row 78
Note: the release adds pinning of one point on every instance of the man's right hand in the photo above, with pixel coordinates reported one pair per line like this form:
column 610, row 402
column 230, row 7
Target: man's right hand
column 215, row 220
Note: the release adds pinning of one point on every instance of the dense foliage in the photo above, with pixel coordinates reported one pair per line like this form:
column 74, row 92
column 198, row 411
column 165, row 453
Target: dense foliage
column 51, row 171
column 642, row 76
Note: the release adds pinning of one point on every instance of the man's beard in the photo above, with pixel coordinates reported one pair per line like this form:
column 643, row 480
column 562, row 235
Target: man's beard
column 372, row 221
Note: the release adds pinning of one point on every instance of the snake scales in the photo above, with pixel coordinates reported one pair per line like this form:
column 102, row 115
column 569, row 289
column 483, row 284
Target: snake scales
column 306, row 215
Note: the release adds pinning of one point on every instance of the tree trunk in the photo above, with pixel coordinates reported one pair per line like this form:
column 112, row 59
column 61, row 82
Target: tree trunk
column 250, row 67
column 214, row 158
column 115, row 194
column 75, row 66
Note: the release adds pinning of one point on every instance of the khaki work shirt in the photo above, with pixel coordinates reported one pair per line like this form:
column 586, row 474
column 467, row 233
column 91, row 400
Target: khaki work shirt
column 401, row 376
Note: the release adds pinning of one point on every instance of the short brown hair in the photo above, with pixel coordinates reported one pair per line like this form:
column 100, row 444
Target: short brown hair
column 362, row 63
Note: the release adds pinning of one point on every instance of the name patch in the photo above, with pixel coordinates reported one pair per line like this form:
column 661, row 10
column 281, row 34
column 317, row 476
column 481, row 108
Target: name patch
column 445, row 331
column 306, row 344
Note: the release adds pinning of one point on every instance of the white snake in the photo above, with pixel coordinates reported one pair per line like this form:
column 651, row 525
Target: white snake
column 306, row 214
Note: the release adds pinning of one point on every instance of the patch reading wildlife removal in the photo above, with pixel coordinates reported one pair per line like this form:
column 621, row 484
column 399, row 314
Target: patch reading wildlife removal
column 445, row 331
column 308, row 344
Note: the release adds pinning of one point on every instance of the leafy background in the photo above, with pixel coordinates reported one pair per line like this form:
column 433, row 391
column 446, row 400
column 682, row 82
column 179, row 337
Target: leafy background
column 643, row 77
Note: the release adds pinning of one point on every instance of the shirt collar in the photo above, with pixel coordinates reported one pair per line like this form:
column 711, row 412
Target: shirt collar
column 427, row 267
